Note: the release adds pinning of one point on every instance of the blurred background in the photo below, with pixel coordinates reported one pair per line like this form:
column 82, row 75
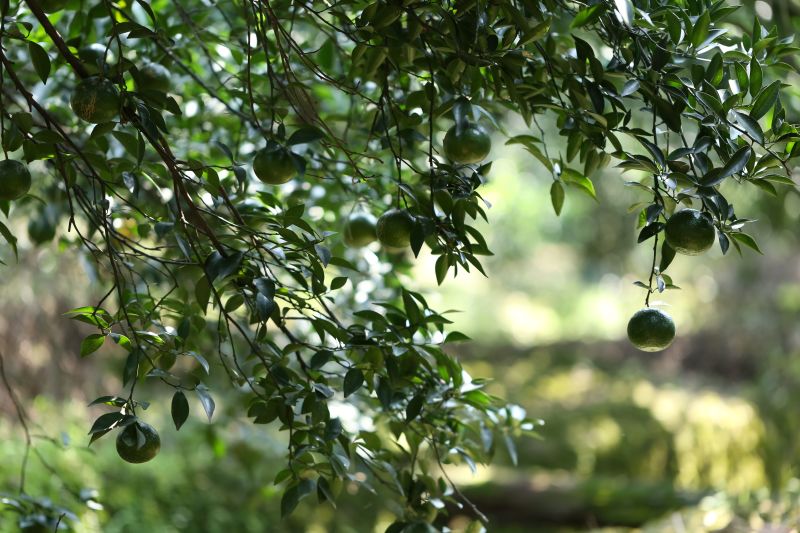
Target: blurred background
column 700, row 437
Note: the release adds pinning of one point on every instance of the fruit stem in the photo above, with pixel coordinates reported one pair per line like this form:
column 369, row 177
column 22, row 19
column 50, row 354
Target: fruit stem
column 658, row 200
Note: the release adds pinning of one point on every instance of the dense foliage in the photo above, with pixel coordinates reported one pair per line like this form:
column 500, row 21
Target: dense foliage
column 206, row 158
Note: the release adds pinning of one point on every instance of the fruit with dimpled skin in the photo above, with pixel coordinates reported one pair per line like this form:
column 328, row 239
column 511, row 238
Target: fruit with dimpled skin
column 274, row 166
column 95, row 100
column 394, row 228
column 690, row 232
column 651, row 330
column 138, row 443
column 469, row 144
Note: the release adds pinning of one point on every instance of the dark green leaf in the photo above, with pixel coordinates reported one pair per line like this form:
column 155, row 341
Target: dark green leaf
column 305, row 135
column 700, row 28
column 667, row 255
column 41, row 61
column 180, row 409
column 9, row 237
column 765, row 100
column 750, row 126
column 352, row 381
column 649, row 231
column 588, row 15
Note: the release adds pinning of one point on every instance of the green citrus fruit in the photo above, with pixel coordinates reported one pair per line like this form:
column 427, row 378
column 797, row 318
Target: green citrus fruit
column 138, row 443
column 15, row 180
column 394, row 228
column 95, row 100
column 690, row 232
column 93, row 56
column 651, row 330
column 153, row 77
column 51, row 6
column 359, row 230
column 274, row 166
column 470, row 144
column 42, row 226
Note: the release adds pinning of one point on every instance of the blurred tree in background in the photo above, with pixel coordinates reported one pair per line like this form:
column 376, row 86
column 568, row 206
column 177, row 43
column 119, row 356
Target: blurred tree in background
column 215, row 176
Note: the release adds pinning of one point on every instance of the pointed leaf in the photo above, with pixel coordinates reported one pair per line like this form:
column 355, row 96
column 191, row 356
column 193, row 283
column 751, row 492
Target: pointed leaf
column 206, row 400
column 765, row 100
column 180, row 409
column 41, row 61
column 91, row 344
column 557, row 196
column 747, row 240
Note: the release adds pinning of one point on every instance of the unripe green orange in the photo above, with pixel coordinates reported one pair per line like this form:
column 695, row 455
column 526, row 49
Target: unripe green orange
column 138, row 443
column 153, row 77
column 274, row 166
column 690, row 232
column 394, row 228
column 95, row 100
column 359, row 230
column 468, row 144
column 651, row 330
column 15, row 180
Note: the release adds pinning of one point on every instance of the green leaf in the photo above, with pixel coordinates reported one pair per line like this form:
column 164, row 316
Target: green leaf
column 414, row 407
column 750, row 126
column 667, row 255
column 106, row 422
column 202, row 293
column 9, row 237
column 294, row 494
column 305, row 135
column 510, row 448
column 765, row 100
column 206, row 400
column 352, row 381
column 575, row 178
column 747, row 240
column 737, row 162
column 630, row 87
column 92, row 343
column 41, row 61
column 200, row 359
column 442, row 265
column 180, row 409
column 455, row 336
column 756, row 76
column 338, row 282
column 588, row 15
column 649, row 231
column 668, row 114
column 700, row 29
column 264, row 307
column 557, row 196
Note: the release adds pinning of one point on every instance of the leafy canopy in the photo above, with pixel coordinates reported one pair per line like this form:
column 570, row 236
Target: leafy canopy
column 217, row 280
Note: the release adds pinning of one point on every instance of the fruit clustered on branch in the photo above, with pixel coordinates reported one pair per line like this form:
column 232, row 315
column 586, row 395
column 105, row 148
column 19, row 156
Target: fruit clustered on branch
column 206, row 153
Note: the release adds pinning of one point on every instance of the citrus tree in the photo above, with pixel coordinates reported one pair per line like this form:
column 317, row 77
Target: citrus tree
column 253, row 180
